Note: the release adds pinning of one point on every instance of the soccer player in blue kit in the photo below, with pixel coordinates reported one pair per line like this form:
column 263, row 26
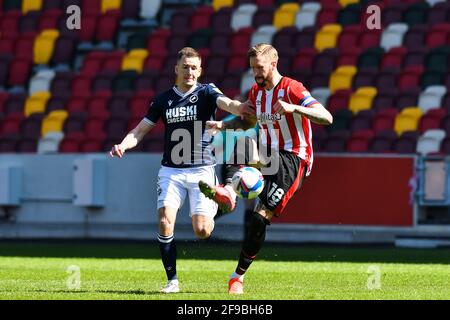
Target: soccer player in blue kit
column 188, row 154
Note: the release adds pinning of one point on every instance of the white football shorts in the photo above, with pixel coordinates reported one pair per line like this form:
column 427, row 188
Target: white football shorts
column 175, row 183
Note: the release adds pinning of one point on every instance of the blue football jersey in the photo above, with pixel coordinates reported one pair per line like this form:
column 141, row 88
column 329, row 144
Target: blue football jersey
column 186, row 142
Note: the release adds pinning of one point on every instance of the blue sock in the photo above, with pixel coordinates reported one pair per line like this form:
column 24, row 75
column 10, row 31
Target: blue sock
column 168, row 251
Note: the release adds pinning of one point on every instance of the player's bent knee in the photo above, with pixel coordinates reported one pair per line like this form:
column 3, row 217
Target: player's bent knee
column 202, row 233
column 165, row 226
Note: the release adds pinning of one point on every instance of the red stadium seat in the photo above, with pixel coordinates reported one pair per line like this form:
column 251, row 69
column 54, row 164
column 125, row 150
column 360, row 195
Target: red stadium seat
column 107, row 26
column 19, row 72
column 384, row 120
column 359, row 141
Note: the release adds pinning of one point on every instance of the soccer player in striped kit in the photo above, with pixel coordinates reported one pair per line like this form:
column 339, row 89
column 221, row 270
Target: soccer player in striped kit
column 284, row 109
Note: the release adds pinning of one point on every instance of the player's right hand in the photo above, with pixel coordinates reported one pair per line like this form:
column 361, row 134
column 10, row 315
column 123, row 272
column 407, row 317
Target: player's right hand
column 117, row 151
column 246, row 109
column 214, row 127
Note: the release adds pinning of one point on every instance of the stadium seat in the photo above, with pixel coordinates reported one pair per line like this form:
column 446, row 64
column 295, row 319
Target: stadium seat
column 53, row 122
column 431, row 78
column 124, row 81
column 41, row 81
column 430, row 141
column 149, row 8
column 407, row 120
column 349, row 36
column 341, row 78
column 362, row 121
column 240, row 42
column 415, row 36
column 56, row 103
column 30, row 128
column 19, row 72
column 306, row 17
column 218, row 4
column 31, row 5
column 285, row 15
column 221, row 20
column 359, row 141
column 134, row 60
column 385, row 81
column 384, row 120
column 432, row 119
column 49, row 18
column 64, row 51
column 437, row 59
column 247, row 82
column 23, row 46
column 50, row 143
column 362, row 99
column 242, row 17
column 410, row 78
column 264, row 16
column 370, row 58
column 437, row 13
column 321, row 95
column 107, row 25
column 431, row 98
column 304, row 59
column 407, row 98
column 364, row 78
column 341, row 120
column 349, row 15
column 406, row 143
column 336, row 141
column 110, row 5
column 393, row 35
column 438, row 35
column 339, row 100
column 264, row 34
column 393, row 58
column 382, row 142
column 29, row 22
column 416, row 13
column 44, row 46
column 327, row 36
column 36, row 103
column 327, row 15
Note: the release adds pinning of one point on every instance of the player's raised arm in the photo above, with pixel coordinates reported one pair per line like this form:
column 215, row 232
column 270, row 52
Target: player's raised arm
column 241, row 109
column 131, row 139
column 314, row 112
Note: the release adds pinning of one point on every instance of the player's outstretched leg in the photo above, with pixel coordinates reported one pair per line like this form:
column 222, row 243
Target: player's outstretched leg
column 255, row 236
column 224, row 196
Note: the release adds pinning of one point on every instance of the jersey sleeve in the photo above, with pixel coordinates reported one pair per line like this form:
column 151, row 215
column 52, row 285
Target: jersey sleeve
column 153, row 113
column 213, row 93
column 299, row 95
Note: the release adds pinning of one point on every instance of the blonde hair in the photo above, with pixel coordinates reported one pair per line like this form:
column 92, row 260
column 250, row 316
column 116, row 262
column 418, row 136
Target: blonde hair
column 263, row 49
column 189, row 53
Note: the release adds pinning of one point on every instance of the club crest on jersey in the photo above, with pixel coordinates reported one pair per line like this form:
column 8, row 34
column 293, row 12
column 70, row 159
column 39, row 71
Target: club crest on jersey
column 193, row 98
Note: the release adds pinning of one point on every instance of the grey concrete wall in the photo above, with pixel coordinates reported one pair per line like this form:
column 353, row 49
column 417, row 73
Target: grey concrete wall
column 46, row 207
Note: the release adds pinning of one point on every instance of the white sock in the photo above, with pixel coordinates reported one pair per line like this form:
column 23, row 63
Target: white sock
column 175, row 281
column 235, row 275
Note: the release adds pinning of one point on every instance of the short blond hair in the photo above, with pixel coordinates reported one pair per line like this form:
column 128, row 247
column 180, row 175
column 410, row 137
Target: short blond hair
column 189, row 53
column 263, row 49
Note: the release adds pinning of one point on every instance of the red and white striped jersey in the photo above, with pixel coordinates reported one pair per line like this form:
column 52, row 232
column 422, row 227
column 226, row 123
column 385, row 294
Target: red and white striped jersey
column 291, row 131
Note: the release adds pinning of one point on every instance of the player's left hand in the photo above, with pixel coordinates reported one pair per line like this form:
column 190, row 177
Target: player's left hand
column 282, row 107
column 213, row 127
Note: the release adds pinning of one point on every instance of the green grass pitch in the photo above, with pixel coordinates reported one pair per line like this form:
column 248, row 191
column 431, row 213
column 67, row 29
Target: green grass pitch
column 41, row 270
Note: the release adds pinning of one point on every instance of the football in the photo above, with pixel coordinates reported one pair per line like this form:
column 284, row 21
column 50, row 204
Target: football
column 248, row 182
